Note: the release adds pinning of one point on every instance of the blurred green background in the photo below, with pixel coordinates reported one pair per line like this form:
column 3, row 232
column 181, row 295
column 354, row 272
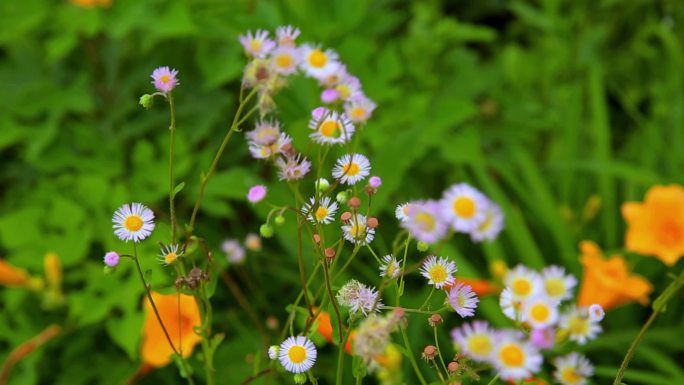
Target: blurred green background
column 544, row 105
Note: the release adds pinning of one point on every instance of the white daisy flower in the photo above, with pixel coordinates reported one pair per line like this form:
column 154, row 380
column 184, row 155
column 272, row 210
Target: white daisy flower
column 286, row 35
column 572, row 369
column 351, row 169
column 439, row 272
column 596, row 313
column 359, row 109
column 264, row 132
column 331, row 128
column 475, row 339
column 357, row 230
column 401, row 212
column 321, row 213
column 169, row 254
column 317, row 63
column 257, row 45
column 463, row 206
column 285, row 60
column 491, row 225
column 557, row 284
column 297, row 354
column 510, row 304
column 348, row 86
column 513, row 358
column 579, row 325
column 133, row 222
column 463, row 300
column 540, row 312
column 523, row 282
column 266, row 151
column 425, row 222
column 390, row 267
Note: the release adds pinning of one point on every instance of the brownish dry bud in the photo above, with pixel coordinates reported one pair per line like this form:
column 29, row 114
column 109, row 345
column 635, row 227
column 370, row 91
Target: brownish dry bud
column 429, row 353
column 330, row 253
column 354, row 202
column 372, row 222
column 345, row 217
column 317, row 239
column 453, row 367
column 435, row 320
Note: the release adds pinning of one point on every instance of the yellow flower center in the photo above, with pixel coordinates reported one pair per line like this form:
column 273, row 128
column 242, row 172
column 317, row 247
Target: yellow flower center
column 343, row 90
column 578, row 326
column 464, row 207
column 351, row 169
column 438, row 273
column 391, row 269
column 267, row 132
column 133, row 223
column 330, row 129
column 512, row 355
column 521, row 287
column 170, row 258
column 284, row 61
column 357, row 230
column 358, row 113
column 555, row 287
column 570, row 376
column 164, row 78
column 480, row 345
column 317, row 58
column 255, row 45
column 321, row 213
column 426, row 221
column 540, row 312
column 297, row 354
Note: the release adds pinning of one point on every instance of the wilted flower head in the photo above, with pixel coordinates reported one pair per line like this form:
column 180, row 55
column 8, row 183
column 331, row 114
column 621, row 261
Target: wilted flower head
column 293, row 167
column 164, row 79
column 373, row 336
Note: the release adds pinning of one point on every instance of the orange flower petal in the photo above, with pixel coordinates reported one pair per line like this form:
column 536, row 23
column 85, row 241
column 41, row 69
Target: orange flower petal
column 13, row 276
column 155, row 349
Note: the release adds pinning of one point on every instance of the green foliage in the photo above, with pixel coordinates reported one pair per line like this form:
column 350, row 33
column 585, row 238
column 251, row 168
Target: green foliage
column 541, row 104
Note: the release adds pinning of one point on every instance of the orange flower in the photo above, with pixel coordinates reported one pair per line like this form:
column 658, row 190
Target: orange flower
column 656, row 226
column 155, row 349
column 92, row 3
column 609, row 282
column 326, row 331
column 13, row 276
column 481, row 287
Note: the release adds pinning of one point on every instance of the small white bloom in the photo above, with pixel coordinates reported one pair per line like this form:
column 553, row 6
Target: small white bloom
column 133, row 222
column 297, row 354
column 439, row 272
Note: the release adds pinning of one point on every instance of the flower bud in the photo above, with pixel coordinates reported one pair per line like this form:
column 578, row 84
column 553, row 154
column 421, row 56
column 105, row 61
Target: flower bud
column 372, row 222
column 300, row 378
column 146, row 101
column 422, row 246
column 354, row 202
column 342, row 197
column 322, row 184
column 330, row 253
column 266, row 230
column 345, row 217
column 273, row 351
column 279, row 220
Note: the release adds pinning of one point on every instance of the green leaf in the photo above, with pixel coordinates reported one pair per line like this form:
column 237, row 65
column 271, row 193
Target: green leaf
column 178, row 189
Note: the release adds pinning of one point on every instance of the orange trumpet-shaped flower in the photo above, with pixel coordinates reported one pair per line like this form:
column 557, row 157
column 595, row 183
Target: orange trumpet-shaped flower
column 13, row 276
column 92, row 3
column 325, row 329
column 656, row 226
column 481, row 287
column 156, row 350
column 608, row 282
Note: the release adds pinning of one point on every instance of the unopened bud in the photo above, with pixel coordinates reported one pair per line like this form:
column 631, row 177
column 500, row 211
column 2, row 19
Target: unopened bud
column 330, row 253
column 429, row 353
column 317, row 239
column 300, row 378
column 342, row 197
column 345, row 217
column 372, row 222
column 146, row 101
column 422, row 246
column 435, row 320
column 453, row 367
column 266, row 230
column 279, row 220
column 354, row 202
column 322, row 184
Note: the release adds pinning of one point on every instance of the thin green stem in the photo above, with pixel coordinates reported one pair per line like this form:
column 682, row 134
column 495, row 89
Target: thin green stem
column 403, row 269
column 658, row 306
column 340, row 358
column 156, row 313
column 439, row 352
column 493, row 381
column 205, row 178
column 411, row 357
column 172, row 141
column 427, row 300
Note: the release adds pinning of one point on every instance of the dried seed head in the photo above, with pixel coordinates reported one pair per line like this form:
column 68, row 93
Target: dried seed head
column 429, row 353
column 435, row 320
column 453, row 366
column 330, row 253
column 345, row 217
column 354, row 202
